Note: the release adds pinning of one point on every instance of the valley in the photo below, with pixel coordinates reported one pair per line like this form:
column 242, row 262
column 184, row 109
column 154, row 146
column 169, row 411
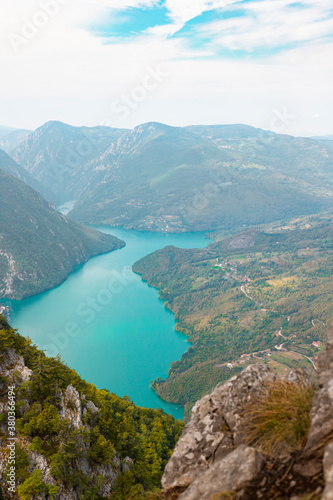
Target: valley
column 120, row 335
column 178, row 179
column 238, row 244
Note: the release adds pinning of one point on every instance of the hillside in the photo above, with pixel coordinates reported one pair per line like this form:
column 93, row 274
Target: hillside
column 74, row 441
column 180, row 179
column 161, row 178
column 254, row 295
column 55, row 153
column 7, row 164
column 39, row 247
column 11, row 138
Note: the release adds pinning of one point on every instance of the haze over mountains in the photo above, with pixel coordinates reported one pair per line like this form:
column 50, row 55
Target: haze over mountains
column 161, row 178
column 11, row 137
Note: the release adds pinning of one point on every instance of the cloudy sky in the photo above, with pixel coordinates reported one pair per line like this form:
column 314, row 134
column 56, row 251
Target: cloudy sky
column 267, row 63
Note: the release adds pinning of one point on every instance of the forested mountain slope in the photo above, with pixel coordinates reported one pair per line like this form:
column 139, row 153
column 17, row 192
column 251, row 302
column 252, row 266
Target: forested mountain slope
column 8, row 165
column 39, row 247
column 161, row 178
column 265, row 295
column 55, row 153
column 74, row 441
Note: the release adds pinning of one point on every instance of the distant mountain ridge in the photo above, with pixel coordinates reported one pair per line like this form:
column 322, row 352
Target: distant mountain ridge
column 53, row 152
column 162, row 178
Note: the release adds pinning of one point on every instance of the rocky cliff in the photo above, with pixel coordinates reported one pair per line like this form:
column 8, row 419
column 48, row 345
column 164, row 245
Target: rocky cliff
column 72, row 441
column 219, row 455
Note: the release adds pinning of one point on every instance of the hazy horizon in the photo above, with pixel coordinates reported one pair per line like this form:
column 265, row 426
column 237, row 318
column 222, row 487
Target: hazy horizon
column 13, row 128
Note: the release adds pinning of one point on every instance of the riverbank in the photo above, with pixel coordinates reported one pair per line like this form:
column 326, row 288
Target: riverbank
column 107, row 324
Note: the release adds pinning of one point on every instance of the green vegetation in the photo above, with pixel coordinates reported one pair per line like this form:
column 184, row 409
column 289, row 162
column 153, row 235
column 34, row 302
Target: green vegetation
column 277, row 420
column 35, row 486
column 38, row 246
column 79, row 456
column 162, row 178
column 11, row 167
column 250, row 297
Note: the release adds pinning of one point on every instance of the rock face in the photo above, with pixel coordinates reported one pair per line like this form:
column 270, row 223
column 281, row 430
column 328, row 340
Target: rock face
column 14, row 363
column 232, row 472
column 318, row 451
column 71, row 406
column 211, row 458
column 328, row 471
column 214, row 430
column 14, row 370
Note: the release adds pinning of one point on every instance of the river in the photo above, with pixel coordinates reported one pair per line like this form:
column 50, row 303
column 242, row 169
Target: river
column 109, row 325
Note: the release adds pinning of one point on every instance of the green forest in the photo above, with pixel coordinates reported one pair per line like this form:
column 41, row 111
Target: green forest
column 260, row 295
column 113, row 431
column 39, row 247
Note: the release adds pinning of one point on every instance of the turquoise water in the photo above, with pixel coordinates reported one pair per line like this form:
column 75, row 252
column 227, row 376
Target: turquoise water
column 108, row 324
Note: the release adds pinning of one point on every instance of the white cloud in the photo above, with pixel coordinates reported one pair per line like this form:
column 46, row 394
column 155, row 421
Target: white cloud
column 270, row 24
column 66, row 73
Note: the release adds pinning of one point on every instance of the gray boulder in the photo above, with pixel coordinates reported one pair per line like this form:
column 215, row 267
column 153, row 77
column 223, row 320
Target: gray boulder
column 229, row 474
column 214, row 429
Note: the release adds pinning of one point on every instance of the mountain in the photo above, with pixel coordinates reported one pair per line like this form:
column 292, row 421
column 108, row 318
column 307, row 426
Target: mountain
column 161, row 178
column 197, row 178
column 4, row 131
column 55, row 151
column 13, row 139
column 263, row 295
column 144, row 177
column 7, row 164
column 39, row 247
column 74, row 441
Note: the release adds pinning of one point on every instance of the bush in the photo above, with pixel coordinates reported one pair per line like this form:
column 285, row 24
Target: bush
column 33, row 486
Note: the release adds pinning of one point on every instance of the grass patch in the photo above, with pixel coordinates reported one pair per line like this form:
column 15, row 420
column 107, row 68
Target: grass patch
column 277, row 420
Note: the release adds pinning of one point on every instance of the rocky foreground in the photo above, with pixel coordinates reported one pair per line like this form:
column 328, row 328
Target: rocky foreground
column 213, row 459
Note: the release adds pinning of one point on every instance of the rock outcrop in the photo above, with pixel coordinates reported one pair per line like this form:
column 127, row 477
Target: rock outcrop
column 212, row 459
column 215, row 427
column 13, row 370
column 318, row 451
column 229, row 474
column 71, row 407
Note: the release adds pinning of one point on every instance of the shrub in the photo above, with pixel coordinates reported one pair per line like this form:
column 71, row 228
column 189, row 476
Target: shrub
column 33, row 486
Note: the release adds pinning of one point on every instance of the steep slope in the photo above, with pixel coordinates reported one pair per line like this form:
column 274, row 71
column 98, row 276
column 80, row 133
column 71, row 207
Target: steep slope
column 6, row 131
column 73, row 441
column 39, row 247
column 13, row 139
column 144, row 175
column 55, row 152
column 7, row 164
column 196, row 178
column 161, row 178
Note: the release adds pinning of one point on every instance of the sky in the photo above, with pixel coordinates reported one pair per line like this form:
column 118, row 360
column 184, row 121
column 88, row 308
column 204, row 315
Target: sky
column 266, row 63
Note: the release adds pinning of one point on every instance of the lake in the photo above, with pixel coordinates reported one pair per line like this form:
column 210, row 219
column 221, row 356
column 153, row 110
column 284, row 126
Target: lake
column 108, row 324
